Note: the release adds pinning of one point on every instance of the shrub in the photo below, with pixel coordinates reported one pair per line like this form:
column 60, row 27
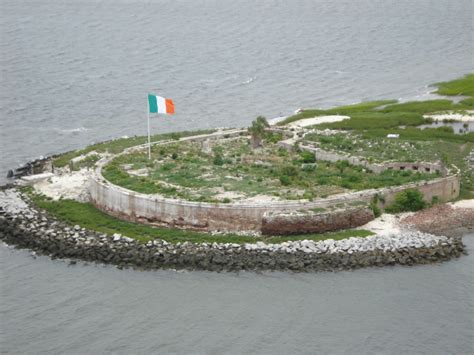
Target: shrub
column 408, row 200
column 218, row 160
column 273, row 137
column 290, row 171
column 174, row 156
column 341, row 165
column 307, row 157
column 282, row 152
column 375, row 209
column 285, row 180
column 309, row 167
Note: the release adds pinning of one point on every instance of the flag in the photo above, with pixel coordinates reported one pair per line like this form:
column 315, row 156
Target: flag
column 158, row 104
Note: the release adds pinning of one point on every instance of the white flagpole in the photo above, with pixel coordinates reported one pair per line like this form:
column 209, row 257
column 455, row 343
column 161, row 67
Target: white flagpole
column 149, row 139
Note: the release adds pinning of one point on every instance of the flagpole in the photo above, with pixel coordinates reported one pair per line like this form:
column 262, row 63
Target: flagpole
column 149, row 139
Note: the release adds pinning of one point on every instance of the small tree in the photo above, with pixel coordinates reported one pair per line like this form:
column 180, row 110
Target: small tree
column 408, row 200
column 257, row 131
column 341, row 165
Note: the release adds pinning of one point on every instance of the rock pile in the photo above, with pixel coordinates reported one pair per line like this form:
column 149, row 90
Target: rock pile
column 24, row 226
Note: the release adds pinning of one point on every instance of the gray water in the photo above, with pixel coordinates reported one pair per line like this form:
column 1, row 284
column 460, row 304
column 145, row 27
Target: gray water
column 76, row 72
column 50, row 307
column 458, row 127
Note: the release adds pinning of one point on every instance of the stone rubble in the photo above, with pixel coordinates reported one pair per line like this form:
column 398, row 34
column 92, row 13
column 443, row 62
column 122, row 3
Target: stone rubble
column 26, row 227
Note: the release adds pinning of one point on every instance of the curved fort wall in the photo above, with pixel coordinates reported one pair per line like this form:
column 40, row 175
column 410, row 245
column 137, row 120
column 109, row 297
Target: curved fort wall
column 153, row 209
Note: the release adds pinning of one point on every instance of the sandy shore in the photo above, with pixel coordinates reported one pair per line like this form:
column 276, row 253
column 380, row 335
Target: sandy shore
column 318, row 120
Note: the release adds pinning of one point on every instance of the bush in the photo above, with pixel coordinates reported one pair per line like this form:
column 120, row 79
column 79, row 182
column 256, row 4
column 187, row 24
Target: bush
column 290, row 171
column 285, row 180
column 408, row 200
column 341, row 165
column 218, row 160
column 375, row 209
column 307, row 157
column 174, row 156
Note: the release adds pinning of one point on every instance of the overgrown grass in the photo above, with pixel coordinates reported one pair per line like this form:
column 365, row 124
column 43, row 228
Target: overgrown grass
column 423, row 107
column 118, row 145
column 87, row 216
column 182, row 171
column 376, row 120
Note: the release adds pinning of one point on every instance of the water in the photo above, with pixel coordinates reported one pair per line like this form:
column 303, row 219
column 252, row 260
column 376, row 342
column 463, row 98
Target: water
column 458, row 127
column 77, row 72
column 51, row 308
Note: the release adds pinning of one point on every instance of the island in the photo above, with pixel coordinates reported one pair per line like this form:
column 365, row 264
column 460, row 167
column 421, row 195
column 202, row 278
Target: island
column 369, row 184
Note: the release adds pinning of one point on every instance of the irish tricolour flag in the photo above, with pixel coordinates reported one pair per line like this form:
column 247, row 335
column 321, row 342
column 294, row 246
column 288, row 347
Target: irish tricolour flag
column 158, row 104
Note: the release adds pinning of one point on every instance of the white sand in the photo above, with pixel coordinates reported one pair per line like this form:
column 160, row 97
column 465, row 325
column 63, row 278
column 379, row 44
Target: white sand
column 72, row 185
column 463, row 204
column 317, row 120
column 386, row 224
column 468, row 116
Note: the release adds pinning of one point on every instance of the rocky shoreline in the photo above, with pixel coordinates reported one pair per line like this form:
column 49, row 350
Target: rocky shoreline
column 24, row 226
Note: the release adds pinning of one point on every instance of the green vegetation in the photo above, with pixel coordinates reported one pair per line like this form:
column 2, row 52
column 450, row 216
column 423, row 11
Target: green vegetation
column 87, row 216
column 422, row 107
column 408, row 200
column 462, row 86
column 87, row 162
column 342, row 110
column 369, row 125
column 257, row 131
column 118, row 145
column 366, row 115
column 234, row 171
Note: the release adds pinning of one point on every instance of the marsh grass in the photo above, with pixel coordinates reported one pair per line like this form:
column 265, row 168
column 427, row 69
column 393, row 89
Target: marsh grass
column 461, row 86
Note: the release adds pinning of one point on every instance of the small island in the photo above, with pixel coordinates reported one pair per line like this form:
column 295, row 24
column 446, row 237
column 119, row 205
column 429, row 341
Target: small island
column 361, row 185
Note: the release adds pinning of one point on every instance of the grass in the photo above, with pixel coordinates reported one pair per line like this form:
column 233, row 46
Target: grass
column 341, row 110
column 87, row 162
column 376, row 120
column 181, row 170
column 87, row 216
column 389, row 113
column 423, row 107
column 413, row 145
column 371, row 125
column 119, row 145
column 461, row 86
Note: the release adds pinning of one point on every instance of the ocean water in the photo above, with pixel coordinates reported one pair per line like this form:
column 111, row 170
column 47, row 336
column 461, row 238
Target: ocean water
column 77, row 72
column 51, row 307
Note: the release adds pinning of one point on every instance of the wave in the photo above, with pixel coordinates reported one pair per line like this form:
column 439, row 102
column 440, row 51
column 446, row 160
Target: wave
column 249, row 80
column 72, row 130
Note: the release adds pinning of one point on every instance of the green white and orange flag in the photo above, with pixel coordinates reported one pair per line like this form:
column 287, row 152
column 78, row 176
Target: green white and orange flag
column 158, row 104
